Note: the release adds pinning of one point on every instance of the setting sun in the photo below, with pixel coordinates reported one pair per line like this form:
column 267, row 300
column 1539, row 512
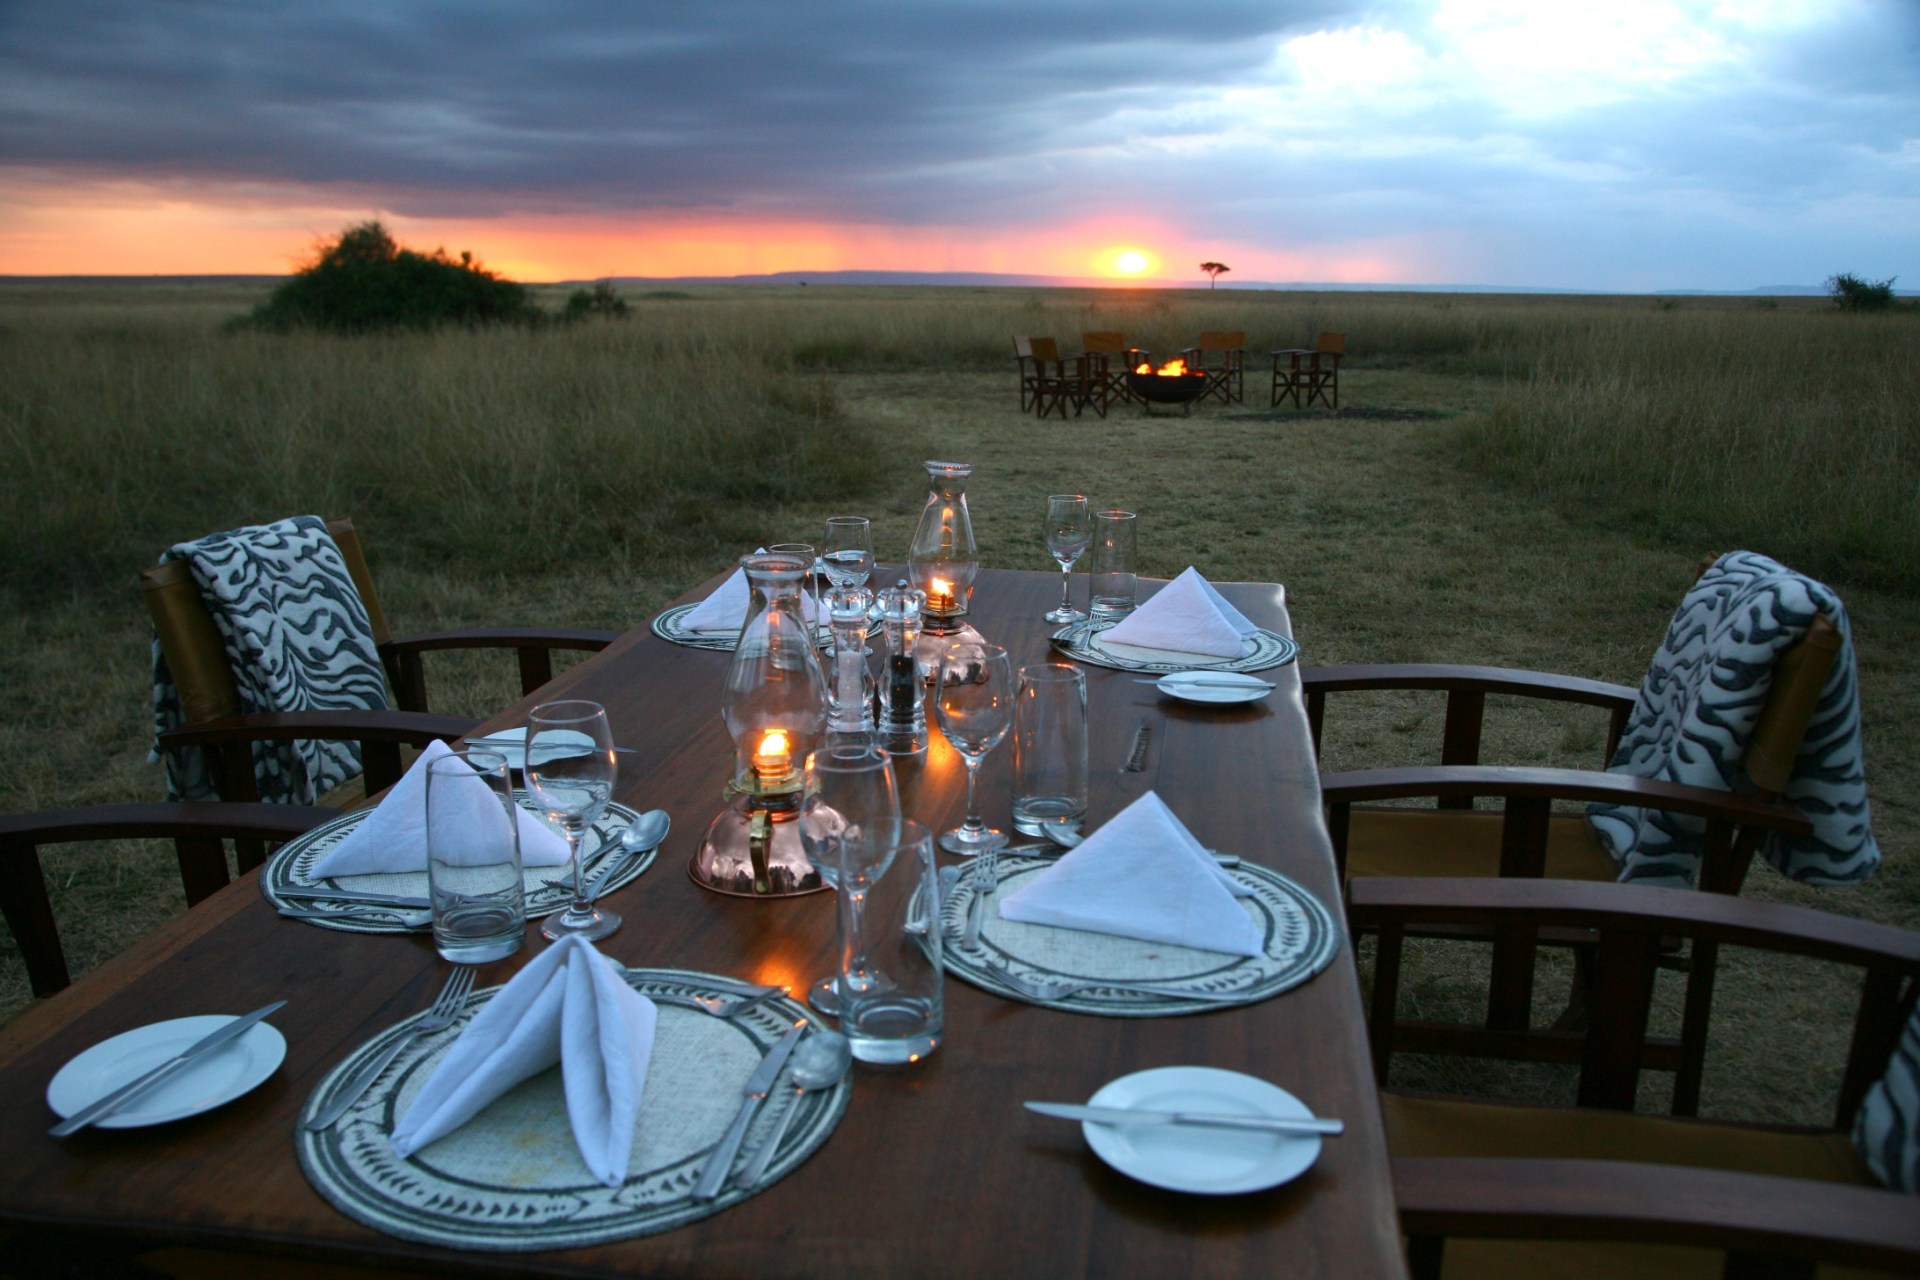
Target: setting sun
column 1130, row 263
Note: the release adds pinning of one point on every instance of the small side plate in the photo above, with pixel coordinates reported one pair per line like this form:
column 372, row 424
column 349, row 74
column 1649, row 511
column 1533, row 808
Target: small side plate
column 1205, row 1161
column 1214, row 688
column 210, row 1080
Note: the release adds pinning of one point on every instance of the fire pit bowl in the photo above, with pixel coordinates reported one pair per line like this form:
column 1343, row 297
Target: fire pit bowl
column 1160, row 389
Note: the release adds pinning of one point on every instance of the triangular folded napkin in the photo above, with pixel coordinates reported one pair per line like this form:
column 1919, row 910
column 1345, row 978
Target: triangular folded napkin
column 394, row 836
column 726, row 609
column 1142, row 875
column 1186, row 616
column 570, row 1006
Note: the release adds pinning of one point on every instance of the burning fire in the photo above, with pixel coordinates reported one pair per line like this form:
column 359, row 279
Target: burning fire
column 774, row 760
column 940, row 596
column 1171, row 369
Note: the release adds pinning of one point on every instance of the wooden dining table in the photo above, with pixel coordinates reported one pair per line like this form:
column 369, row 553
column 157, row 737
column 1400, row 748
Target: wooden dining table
column 935, row 1169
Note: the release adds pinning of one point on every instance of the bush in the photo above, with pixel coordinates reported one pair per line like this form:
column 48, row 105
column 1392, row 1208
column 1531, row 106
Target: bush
column 364, row 282
column 601, row 300
column 1850, row 293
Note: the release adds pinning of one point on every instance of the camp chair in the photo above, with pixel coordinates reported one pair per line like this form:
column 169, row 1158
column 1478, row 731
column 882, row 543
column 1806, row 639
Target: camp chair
column 1108, row 360
column 1060, row 381
column 1310, row 372
column 215, row 719
column 1601, row 1191
column 197, row 831
column 1029, row 376
column 1222, row 356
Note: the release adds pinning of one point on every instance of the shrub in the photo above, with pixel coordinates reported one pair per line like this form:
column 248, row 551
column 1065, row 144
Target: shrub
column 1850, row 293
column 364, row 282
column 601, row 300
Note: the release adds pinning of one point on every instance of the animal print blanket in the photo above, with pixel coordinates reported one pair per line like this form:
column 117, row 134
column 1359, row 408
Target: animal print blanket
column 1701, row 699
column 297, row 638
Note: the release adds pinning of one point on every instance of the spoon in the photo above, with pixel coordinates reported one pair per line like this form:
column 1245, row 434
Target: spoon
column 820, row 1062
column 1066, row 837
column 643, row 833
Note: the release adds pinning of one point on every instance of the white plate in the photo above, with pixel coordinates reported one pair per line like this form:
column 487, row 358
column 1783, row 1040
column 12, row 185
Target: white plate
column 215, row 1077
column 1183, row 1157
column 512, row 743
column 1214, row 691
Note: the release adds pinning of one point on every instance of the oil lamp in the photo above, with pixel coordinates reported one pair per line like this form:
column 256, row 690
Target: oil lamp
column 775, row 707
column 942, row 562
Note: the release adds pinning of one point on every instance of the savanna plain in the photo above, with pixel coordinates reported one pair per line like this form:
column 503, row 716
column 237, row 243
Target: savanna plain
column 1526, row 481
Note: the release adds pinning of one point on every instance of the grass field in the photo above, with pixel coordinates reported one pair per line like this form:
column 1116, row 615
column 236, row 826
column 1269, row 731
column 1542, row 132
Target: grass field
column 1524, row 481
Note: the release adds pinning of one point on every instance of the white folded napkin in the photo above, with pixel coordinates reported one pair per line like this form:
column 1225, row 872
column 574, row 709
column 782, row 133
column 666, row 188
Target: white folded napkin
column 1142, row 875
column 726, row 609
column 394, row 835
column 570, row 1006
column 1186, row 616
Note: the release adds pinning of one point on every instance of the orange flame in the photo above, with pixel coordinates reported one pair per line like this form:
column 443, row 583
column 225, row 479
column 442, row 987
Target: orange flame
column 1171, row 369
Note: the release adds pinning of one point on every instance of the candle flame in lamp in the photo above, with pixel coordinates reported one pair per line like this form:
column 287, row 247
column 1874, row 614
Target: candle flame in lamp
column 773, row 758
column 939, row 596
column 1171, row 369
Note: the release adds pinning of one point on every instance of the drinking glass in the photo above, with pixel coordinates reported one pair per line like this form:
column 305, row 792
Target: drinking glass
column 1050, row 748
column 473, row 858
column 850, row 797
column 570, row 770
column 891, row 960
column 1069, row 530
column 974, row 705
column 847, row 550
column 809, row 584
column 1114, row 569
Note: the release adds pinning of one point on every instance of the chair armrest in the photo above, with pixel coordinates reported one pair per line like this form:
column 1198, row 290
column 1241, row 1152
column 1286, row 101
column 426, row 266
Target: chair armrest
column 590, row 639
column 1616, row 1200
column 1503, row 680
column 1467, row 781
column 164, row 821
column 411, row 728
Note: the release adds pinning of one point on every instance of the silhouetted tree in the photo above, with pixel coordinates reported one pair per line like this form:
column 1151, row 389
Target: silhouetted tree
column 1215, row 270
column 1850, row 293
column 602, row 301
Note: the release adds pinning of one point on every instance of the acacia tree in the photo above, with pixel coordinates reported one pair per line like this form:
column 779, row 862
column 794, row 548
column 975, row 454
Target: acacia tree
column 1215, row 270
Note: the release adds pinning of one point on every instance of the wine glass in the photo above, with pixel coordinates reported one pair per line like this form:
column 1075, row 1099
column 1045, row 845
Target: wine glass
column 974, row 705
column 847, row 550
column 1069, row 530
column 570, row 770
column 849, row 814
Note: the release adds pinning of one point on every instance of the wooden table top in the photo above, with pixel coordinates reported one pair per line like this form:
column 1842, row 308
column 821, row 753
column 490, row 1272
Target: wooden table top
column 936, row 1169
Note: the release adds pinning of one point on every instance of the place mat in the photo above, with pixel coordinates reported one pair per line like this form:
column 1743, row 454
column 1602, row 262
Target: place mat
column 671, row 627
column 291, row 867
column 1081, row 642
column 511, row 1179
column 1301, row 937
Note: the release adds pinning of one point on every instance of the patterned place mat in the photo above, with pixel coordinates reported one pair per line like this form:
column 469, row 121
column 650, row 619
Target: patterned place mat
column 671, row 627
column 1081, row 642
column 1301, row 938
column 291, row 867
column 511, row 1179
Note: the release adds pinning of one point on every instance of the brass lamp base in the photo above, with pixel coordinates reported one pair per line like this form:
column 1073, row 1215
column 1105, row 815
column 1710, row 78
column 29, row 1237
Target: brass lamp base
column 752, row 849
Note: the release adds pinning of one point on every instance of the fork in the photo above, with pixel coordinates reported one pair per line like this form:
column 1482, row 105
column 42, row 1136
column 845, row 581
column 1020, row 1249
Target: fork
column 405, row 919
column 440, row 1015
column 986, row 883
column 1050, row 989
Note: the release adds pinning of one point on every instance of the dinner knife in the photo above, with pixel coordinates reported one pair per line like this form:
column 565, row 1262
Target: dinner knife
column 1048, row 849
column 127, row 1092
column 1300, row 1127
column 1203, row 682
column 355, row 899
column 758, row 1085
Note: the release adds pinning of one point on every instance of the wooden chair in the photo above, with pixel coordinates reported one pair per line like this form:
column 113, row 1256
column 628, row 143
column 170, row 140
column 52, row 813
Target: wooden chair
column 1600, row 1190
column 1222, row 356
column 211, row 702
column 1060, row 381
column 197, row 832
column 1108, row 360
column 1029, row 375
column 1310, row 373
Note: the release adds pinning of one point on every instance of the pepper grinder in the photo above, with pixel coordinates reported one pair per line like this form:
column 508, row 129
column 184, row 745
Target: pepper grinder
column 902, row 716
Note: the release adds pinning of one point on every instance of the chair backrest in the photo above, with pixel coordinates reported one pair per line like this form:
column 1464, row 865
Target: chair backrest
column 1222, row 340
column 1331, row 344
column 1044, row 348
column 1023, row 349
column 195, row 655
column 1799, row 675
column 1106, row 341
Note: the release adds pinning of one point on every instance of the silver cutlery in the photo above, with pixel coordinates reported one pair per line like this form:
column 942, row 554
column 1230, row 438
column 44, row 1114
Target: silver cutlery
column 759, row 1084
column 645, row 832
column 821, row 1062
column 103, row 1107
column 440, row 1015
column 717, row 1006
column 352, row 899
column 1137, row 756
column 1203, row 682
column 986, row 882
column 1060, row 989
column 1066, row 836
column 1292, row 1127
column 518, row 742
column 1055, row 850
column 396, row 916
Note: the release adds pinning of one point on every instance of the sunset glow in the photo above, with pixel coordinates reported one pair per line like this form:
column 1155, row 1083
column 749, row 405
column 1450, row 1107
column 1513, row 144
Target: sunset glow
column 1130, row 263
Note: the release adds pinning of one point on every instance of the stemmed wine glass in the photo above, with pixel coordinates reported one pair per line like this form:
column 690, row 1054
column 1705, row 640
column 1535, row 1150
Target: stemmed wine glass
column 1069, row 530
column 847, row 551
column 571, row 769
column 849, row 813
column 974, row 705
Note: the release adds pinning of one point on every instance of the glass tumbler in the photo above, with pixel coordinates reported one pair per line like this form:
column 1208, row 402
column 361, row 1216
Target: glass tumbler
column 1050, row 747
column 1113, row 564
column 891, row 964
column 473, row 858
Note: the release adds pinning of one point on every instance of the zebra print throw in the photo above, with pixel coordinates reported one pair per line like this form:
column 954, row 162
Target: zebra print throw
column 1701, row 700
column 1887, row 1130
column 298, row 639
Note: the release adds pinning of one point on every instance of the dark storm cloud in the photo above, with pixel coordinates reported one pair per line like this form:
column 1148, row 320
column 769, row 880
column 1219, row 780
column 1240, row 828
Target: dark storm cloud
column 461, row 108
